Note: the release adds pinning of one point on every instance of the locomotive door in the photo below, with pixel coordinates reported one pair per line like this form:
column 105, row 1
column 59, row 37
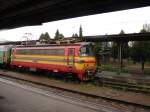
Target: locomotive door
column 71, row 54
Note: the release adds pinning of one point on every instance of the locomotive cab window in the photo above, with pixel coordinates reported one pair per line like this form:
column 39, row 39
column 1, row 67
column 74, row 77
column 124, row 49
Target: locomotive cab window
column 86, row 51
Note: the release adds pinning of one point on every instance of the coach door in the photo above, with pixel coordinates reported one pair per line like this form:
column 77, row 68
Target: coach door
column 4, row 55
column 71, row 54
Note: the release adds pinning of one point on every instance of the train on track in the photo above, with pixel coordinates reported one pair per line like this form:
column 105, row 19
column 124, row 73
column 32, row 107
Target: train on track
column 76, row 58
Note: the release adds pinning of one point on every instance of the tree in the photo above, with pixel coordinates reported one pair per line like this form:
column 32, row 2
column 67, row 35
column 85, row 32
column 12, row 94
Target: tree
column 97, row 49
column 44, row 37
column 41, row 36
column 58, row 35
column 114, row 50
column 80, row 31
column 61, row 36
column 75, row 35
column 121, row 32
column 125, row 48
column 47, row 37
column 145, row 29
column 140, row 51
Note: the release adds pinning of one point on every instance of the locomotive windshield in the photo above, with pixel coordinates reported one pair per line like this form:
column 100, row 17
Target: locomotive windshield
column 86, row 51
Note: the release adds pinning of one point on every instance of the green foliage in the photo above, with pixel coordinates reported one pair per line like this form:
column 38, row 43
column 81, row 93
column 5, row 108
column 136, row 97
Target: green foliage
column 140, row 51
column 114, row 50
column 121, row 32
column 75, row 35
column 45, row 36
column 80, row 31
column 145, row 29
column 41, row 36
column 125, row 48
column 97, row 48
column 61, row 36
column 58, row 35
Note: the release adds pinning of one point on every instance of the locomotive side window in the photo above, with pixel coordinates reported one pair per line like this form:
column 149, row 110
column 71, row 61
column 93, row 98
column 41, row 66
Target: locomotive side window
column 86, row 51
column 40, row 51
column 55, row 52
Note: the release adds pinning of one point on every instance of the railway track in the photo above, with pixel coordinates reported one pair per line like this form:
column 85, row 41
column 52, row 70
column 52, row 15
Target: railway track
column 101, row 81
column 124, row 102
column 136, row 87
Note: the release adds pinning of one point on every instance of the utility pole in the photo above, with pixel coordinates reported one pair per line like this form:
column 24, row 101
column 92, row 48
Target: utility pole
column 26, row 36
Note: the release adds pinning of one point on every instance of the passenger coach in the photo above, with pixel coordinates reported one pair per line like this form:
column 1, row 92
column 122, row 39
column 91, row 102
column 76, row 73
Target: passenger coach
column 70, row 58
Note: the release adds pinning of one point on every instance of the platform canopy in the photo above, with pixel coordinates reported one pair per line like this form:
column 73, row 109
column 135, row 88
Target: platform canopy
column 118, row 38
column 16, row 13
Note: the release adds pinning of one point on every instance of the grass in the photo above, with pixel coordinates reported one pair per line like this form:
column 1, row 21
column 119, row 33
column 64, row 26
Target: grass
column 127, row 67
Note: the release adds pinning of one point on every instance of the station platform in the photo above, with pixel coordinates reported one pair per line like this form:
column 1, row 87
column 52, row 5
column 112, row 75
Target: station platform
column 129, row 96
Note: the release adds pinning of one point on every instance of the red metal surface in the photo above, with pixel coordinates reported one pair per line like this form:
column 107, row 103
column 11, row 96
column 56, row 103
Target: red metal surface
column 60, row 68
column 89, row 61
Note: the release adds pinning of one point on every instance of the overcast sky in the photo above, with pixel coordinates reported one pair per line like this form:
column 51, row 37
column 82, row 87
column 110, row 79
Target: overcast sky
column 131, row 21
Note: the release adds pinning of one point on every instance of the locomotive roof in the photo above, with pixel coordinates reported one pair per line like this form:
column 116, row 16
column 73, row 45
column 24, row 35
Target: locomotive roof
column 48, row 45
